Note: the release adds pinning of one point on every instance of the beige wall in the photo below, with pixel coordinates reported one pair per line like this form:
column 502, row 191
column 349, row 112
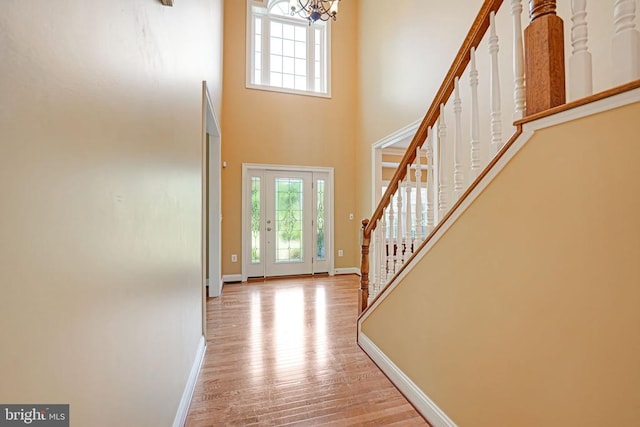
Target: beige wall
column 276, row 128
column 100, row 225
column 527, row 314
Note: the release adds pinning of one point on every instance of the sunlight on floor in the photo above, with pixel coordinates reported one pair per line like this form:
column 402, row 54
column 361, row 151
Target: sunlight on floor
column 289, row 328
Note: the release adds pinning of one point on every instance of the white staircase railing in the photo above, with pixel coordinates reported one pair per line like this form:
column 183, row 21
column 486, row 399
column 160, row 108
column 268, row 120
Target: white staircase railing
column 455, row 149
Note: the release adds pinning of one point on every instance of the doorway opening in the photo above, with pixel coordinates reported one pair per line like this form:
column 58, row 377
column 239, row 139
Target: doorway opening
column 211, row 204
column 287, row 217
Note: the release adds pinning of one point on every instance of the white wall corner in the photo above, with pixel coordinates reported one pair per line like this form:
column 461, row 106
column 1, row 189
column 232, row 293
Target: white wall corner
column 187, row 394
column 422, row 402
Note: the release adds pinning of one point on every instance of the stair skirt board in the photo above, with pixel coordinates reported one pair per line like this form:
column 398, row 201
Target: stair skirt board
column 424, row 405
column 187, row 394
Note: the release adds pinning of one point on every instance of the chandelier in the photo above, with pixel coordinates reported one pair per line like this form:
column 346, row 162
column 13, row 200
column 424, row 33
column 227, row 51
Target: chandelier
column 313, row 10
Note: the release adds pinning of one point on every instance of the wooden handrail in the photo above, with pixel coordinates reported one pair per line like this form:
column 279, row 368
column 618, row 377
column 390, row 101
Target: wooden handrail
column 473, row 39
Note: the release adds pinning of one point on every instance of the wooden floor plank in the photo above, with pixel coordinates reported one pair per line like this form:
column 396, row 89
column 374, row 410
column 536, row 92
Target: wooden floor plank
column 283, row 352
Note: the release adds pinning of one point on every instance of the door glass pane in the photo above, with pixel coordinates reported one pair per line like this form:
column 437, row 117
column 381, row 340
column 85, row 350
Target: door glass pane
column 320, row 248
column 288, row 224
column 255, row 219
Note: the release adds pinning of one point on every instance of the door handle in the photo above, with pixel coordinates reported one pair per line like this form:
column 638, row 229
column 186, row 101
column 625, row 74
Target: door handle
column 268, row 228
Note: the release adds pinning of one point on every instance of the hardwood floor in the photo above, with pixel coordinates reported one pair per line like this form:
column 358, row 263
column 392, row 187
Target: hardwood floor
column 283, row 352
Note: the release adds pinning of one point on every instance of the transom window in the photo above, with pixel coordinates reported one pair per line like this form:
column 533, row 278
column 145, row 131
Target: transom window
column 284, row 52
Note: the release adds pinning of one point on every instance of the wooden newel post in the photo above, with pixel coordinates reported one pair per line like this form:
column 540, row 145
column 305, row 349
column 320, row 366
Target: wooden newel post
column 544, row 57
column 363, row 295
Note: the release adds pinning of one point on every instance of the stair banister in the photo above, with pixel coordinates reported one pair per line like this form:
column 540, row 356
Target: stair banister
column 462, row 58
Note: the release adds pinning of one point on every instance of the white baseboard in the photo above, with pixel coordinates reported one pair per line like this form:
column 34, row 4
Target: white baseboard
column 349, row 270
column 433, row 414
column 187, row 395
column 231, row 278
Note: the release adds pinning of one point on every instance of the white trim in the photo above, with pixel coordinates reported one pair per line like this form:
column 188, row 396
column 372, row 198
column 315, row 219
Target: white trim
column 424, row 405
column 394, row 165
column 289, row 91
column 289, row 168
column 212, row 117
column 596, row 107
column 586, row 110
column 232, row 278
column 398, row 136
column 347, row 270
column 395, row 151
column 187, row 394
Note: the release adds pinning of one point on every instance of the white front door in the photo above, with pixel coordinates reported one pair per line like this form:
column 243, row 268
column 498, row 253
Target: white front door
column 287, row 225
column 288, row 219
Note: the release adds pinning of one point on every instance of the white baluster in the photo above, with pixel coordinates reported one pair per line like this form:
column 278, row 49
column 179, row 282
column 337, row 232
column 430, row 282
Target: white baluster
column 408, row 237
column 392, row 240
column 419, row 236
column 496, row 114
column 377, row 260
column 384, row 256
column 475, row 117
column 401, row 228
column 443, row 202
column 431, row 183
column 458, row 172
column 580, row 68
column 626, row 43
column 519, row 96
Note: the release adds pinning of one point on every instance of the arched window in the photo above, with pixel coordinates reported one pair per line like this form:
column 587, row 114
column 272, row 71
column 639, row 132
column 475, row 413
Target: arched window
column 284, row 52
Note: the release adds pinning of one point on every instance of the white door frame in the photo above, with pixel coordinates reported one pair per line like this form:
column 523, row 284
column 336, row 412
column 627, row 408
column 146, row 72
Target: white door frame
column 211, row 144
column 246, row 167
column 402, row 135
